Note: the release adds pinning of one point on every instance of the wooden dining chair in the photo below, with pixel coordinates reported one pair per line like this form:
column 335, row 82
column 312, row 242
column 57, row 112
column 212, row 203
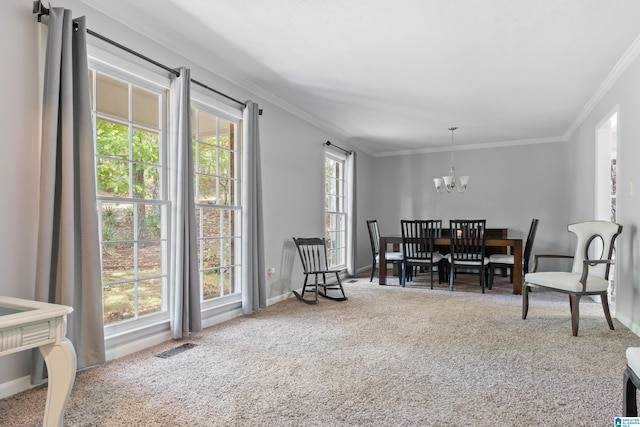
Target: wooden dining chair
column 390, row 257
column 467, row 249
column 418, row 248
column 506, row 260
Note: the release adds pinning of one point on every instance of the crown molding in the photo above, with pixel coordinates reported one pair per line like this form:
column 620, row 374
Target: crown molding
column 621, row 66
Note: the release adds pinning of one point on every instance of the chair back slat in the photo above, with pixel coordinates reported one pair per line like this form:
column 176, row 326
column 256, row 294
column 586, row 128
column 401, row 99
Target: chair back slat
column 374, row 236
column 313, row 253
column 528, row 246
column 467, row 239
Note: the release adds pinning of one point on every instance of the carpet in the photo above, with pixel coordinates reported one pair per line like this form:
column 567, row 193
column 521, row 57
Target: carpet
column 389, row 356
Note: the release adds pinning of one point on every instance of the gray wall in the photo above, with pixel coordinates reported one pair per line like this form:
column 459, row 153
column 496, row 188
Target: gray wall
column 625, row 93
column 509, row 186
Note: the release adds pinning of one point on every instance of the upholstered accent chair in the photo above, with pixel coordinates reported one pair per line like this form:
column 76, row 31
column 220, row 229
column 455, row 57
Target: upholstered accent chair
column 589, row 274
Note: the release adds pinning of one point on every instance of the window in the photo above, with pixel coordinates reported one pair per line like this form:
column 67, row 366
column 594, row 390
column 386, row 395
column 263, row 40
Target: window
column 216, row 159
column 130, row 147
column 335, row 209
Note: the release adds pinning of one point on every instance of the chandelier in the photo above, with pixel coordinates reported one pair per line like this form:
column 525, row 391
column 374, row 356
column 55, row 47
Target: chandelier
column 448, row 183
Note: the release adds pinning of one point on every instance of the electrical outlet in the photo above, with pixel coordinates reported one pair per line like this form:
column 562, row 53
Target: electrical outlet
column 271, row 272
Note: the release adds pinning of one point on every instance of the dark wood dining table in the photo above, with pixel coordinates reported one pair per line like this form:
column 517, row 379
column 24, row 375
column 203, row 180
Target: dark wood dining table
column 494, row 242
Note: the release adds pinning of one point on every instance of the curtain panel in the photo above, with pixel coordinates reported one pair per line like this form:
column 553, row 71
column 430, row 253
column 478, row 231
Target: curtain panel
column 254, row 295
column 184, row 279
column 352, row 241
column 68, row 253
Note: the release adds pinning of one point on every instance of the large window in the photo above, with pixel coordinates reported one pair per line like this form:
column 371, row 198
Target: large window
column 216, row 159
column 129, row 131
column 335, row 209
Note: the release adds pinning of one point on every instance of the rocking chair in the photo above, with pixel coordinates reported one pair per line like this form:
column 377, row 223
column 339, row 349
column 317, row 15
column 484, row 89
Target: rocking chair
column 313, row 254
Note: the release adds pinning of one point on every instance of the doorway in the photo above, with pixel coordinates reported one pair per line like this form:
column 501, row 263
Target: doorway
column 605, row 175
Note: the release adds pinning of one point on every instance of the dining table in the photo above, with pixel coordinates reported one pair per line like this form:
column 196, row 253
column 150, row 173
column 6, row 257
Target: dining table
column 500, row 242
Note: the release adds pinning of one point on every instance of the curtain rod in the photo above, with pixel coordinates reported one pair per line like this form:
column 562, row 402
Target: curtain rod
column 39, row 8
column 329, row 144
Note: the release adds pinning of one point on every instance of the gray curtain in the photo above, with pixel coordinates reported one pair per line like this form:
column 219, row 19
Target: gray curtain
column 68, row 257
column 184, row 282
column 352, row 240
column 254, row 294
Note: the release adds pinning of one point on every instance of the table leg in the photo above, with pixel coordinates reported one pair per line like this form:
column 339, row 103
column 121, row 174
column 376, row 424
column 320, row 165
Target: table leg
column 517, row 267
column 60, row 358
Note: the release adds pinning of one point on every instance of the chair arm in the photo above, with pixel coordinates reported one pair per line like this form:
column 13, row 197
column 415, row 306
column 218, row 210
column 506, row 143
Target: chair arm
column 534, row 267
column 585, row 269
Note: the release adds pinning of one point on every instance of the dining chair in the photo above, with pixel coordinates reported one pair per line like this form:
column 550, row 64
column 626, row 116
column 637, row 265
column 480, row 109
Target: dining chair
column 313, row 254
column 418, row 248
column 390, row 257
column 467, row 249
column 506, row 260
column 589, row 273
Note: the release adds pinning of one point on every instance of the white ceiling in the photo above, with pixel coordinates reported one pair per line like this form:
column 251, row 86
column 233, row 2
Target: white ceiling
column 391, row 76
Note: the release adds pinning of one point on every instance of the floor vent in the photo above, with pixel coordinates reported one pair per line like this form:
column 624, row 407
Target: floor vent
column 352, row 281
column 176, row 350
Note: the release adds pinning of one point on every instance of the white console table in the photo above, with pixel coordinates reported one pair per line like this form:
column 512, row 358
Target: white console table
column 26, row 324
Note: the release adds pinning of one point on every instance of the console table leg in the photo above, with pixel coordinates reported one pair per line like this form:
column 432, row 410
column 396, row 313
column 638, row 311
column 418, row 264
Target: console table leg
column 61, row 362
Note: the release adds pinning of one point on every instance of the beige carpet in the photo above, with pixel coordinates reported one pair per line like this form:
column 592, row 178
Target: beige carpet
column 386, row 357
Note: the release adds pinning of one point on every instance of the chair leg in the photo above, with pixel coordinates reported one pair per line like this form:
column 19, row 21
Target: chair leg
column 574, row 303
column 482, row 278
column 491, row 273
column 451, row 274
column 525, row 301
column 373, row 270
column 605, row 307
column 304, row 289
column 629, row 402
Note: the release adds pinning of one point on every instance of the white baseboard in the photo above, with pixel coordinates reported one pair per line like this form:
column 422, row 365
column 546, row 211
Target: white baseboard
column 15, row 386
column 634, row 327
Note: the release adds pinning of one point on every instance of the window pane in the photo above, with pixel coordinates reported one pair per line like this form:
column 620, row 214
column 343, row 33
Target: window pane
column 206, row 128
column 117, row 262
column 145, row 107
column 224, row 166
column 207, row 189
column 211, row 283
column 118, row 302
column 149, row 222
column 112, row 96
column 211, row 226
column 149, row 296
column 112, row 139
column 145, row 147
column 227, row 192
column 226, row 133
column 113, row 178
column 117, row 221
column 146, row 181
column 207, row 159
column 149, row 259
column 227, row 228
column 211, row 253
